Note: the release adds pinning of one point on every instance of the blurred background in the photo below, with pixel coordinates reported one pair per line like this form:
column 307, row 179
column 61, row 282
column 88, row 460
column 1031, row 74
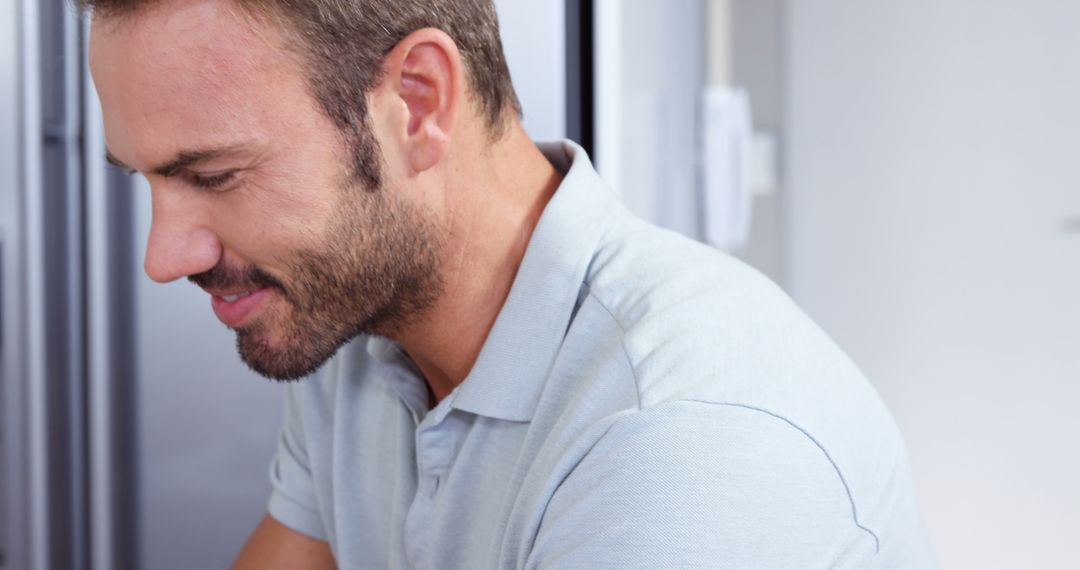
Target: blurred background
column 906, row 169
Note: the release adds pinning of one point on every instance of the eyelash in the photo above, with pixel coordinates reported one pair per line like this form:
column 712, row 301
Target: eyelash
column 212, row 182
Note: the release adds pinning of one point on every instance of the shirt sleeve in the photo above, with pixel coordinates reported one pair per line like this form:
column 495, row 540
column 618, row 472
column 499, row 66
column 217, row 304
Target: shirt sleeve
column 701, row 485
column 293, row 501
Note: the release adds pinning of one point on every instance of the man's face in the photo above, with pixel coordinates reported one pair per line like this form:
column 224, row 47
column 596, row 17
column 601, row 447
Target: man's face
column 251, row 196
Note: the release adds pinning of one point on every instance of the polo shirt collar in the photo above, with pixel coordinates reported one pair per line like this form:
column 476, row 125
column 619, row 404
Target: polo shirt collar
column 510, row 372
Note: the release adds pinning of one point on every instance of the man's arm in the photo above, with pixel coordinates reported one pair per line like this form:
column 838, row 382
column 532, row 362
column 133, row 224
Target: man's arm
column 274, row 546
column 693, row 485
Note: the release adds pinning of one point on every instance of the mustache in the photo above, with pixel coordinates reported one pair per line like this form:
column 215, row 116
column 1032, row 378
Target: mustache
column 225, row 277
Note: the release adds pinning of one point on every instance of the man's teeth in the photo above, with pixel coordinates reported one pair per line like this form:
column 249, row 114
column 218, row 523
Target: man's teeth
column 234, row 298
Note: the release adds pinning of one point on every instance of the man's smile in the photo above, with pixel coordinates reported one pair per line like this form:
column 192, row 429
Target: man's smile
column 239, row 308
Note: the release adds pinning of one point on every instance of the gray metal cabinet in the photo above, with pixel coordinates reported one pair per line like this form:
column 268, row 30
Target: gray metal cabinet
column 9, row 247
column 63, row 379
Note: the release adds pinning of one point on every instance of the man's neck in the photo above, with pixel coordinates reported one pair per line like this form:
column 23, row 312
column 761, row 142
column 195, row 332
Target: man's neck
column 492, row 219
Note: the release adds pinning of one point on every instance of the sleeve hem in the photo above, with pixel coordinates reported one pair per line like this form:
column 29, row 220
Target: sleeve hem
column 296, row 516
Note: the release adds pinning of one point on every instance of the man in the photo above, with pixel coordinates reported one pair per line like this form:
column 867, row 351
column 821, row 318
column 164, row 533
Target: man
column 505, row 368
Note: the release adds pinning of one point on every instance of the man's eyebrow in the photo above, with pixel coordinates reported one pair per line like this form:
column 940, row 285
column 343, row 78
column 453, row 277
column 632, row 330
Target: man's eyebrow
column 181, row 161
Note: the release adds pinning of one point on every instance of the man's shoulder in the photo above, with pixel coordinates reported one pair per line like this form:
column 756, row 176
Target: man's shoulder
column 735, row 484
column 691, row 316
column 640, row 270
column 698, row 325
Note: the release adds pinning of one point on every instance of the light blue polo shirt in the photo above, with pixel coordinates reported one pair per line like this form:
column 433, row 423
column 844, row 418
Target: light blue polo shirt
column 642, row 401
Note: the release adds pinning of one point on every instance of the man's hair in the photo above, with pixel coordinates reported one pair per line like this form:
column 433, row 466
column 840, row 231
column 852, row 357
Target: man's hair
column 344, row 44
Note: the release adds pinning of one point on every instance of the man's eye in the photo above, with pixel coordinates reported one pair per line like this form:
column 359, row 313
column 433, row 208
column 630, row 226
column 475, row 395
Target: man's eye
column 212, row 182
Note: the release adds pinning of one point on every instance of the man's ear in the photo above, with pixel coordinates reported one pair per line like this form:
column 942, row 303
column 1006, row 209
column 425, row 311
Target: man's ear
column 424, row 78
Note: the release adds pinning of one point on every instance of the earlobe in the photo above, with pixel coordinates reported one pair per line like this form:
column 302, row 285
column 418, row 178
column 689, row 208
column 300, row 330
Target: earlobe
column 428, row 81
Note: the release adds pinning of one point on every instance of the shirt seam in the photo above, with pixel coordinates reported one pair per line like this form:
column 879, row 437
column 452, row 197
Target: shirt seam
column 828, row 456
column 622, row 345
column 572, row 469
column 818, row 444
column 626, row 417
column 804, row 432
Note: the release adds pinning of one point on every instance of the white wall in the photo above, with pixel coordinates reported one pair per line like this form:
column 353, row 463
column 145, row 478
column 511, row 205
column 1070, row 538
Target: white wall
column 534, row 40
column 932, row 167
column 758, row 67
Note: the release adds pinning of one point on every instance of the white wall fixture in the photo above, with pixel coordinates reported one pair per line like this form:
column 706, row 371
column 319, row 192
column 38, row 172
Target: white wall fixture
column 727, row 138
column 649, row 76
column 764, row 165
column 727, row 196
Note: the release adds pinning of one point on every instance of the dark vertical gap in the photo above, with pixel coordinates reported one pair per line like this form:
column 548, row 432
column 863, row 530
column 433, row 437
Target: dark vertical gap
column 62, row 169
column 580, row 100
column 61, row 492
column 588, row 76
column 124, row 488
column 574, row 103
column 83, row 510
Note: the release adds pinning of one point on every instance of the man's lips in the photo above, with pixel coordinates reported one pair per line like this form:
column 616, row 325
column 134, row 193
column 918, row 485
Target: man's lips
column 239, row 308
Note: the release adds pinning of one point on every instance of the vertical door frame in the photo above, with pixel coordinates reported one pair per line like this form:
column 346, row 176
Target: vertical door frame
column 607, row 65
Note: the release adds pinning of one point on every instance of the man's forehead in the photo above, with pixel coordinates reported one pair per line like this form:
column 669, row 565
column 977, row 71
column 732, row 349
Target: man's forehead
column 182, row 75
column 207, row 36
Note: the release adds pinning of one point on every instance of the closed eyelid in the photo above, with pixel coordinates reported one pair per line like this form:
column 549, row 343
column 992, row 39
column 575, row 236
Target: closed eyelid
column 213, row 180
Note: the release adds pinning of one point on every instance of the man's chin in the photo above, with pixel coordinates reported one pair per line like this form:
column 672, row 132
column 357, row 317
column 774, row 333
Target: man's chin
column 278, row 360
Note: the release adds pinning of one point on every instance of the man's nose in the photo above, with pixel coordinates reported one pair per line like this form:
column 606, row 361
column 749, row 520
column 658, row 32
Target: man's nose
column 180, row 243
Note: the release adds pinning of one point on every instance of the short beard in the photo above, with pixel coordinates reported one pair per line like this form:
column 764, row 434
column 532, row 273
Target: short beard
column 376, row 271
